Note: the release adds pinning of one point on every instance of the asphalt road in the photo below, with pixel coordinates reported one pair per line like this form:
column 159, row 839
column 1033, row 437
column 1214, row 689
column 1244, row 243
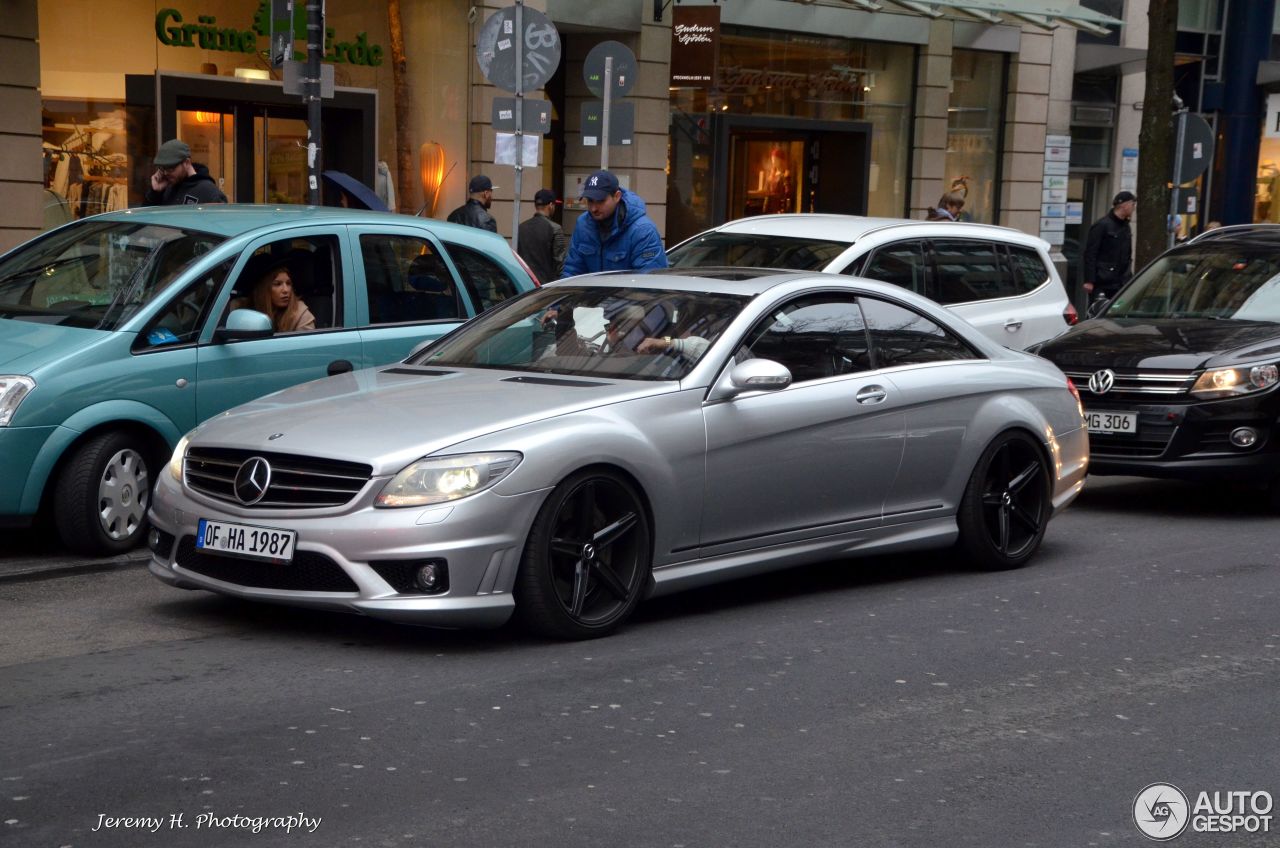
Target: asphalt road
column 887, row 702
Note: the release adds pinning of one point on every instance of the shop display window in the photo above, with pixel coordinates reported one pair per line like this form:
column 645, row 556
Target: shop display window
column 86, row 159
column 974, row 117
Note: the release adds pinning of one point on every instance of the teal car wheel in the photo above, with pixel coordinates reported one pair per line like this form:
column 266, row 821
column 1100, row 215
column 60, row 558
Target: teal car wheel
column 102, row 495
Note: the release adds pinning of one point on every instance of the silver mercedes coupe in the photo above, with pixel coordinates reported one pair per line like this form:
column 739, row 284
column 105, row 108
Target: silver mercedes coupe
column 610, row 438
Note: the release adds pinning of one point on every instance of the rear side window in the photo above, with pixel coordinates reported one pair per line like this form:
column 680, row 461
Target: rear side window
column 485, row 280
column 1029, row 271
column 902, row 264
column 407, row 280
column 900, row 336
column 969, row 271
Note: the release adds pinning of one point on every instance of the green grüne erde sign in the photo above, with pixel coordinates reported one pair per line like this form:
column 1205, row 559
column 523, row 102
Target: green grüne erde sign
column 173, row 30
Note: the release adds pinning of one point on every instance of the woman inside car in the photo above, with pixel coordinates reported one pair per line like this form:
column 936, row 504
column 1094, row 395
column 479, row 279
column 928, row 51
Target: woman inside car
column 273, row 295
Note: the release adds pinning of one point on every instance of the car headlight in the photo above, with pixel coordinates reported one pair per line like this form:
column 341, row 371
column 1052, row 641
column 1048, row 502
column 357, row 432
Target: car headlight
column 440, row 479
column 1231, row 382
column 13, row 388
column 179, row 454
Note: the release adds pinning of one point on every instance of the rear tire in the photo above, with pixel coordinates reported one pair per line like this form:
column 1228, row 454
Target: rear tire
column 101, row 498
column 587, row 559
column 1007, row 503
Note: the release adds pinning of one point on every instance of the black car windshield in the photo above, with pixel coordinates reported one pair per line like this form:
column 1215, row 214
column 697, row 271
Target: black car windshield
column 753, row 250
column 96, row 274
column 1210, row 280
column 592, row 331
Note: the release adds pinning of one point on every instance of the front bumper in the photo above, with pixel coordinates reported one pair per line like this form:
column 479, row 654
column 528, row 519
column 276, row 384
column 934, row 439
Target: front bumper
column 344, row 559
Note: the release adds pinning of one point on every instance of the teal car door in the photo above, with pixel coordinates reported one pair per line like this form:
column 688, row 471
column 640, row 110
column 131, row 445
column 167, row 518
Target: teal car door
column 406, row 291
column 230, row 373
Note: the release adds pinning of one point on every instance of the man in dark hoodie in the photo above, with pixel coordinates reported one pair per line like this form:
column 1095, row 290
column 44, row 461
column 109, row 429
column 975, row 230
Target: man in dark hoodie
column 614, row 234
column 177, row 181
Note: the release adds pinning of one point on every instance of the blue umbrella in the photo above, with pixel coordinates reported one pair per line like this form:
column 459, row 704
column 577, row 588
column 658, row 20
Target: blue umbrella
column 360, row 195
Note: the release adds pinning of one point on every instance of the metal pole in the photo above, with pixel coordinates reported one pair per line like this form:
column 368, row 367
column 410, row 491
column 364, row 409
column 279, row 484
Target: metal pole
column 515, row 208
column 1179, row 116
column 604, row 118
column 315, row 48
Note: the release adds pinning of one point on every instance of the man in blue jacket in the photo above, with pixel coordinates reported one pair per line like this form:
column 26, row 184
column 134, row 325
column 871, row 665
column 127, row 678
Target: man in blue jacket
column 614, row 234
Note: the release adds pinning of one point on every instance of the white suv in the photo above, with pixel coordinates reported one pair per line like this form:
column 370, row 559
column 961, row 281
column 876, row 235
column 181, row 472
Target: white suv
column 999, row 279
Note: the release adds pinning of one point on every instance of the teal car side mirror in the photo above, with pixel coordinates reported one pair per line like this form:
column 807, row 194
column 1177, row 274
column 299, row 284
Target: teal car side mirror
column 245, row 324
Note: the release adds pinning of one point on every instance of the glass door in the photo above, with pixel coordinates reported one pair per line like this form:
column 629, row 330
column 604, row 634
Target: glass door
column 281, row 144
column 211, row 137
column 766, row 175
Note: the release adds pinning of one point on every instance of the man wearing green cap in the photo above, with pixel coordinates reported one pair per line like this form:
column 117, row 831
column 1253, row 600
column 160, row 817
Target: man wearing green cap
column 177, row 181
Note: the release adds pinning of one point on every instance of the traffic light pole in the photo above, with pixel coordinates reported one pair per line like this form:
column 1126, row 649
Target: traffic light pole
column 315, row 49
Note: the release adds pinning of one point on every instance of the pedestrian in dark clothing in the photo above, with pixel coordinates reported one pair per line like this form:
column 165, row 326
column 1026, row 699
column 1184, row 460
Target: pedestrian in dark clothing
column 177, row 181
column 542, row 242
column 1108, row 250
column 475, row 212
column 614, row 234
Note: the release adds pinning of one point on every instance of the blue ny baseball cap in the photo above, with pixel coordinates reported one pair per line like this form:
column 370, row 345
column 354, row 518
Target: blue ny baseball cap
column 599, row 185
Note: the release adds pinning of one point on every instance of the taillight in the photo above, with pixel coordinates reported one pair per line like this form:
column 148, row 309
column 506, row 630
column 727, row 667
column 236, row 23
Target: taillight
column 1070, row 315
column 527, row 269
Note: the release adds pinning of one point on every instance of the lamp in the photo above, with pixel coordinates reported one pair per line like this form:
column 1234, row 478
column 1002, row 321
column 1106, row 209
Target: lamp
column 432, row 173
column 208, row 117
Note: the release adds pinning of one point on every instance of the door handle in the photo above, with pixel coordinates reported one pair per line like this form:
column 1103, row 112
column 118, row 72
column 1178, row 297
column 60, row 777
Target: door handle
column 340, row 366
column 871, row 394
column 1012, row 325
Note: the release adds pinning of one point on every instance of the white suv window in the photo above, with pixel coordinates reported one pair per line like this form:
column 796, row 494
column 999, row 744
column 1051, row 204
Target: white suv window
column 902, row 264
column 969, row 270
column 1029, row 272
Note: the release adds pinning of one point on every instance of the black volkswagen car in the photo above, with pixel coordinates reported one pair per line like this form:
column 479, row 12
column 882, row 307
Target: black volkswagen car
column 1178, row 374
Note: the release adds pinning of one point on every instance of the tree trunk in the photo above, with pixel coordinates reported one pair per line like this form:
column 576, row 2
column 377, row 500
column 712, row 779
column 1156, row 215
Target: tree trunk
column 406, row 195
column 1155, row 140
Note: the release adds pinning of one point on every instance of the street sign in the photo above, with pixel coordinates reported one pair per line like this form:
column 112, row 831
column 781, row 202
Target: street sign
column 295, row 74
column 1197, row 148
column 281, row 29
column 536, row 116
column 496, row 49
column 624, row 68
column 622, row 122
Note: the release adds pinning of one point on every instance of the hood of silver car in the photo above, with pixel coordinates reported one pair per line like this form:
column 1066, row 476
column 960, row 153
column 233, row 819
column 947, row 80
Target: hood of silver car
column 392, row 415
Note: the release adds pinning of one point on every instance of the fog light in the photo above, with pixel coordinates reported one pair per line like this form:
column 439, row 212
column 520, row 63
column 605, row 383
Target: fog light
column 1244, row 437
column 429, row 577
column 153, row 539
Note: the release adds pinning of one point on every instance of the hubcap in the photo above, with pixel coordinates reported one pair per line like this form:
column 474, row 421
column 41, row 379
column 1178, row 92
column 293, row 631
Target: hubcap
column 597, row 551
column 123, row 492
column 1014, row 498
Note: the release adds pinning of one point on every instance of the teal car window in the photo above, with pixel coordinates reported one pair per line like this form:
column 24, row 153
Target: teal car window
column 407, row 280
column 96, row 275
column 185, row 314
column 485, row 280
column 314, row 271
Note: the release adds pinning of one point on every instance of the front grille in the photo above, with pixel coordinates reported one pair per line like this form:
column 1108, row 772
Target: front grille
column 308, row 572
column 1142, row 445
column 297, row 482
column 1133, row 383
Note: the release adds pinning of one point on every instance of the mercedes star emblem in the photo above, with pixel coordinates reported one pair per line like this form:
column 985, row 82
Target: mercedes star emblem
column 1101, row 382
column 252, row 480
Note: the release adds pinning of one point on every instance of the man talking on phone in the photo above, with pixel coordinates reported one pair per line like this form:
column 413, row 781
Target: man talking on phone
column 177, row 181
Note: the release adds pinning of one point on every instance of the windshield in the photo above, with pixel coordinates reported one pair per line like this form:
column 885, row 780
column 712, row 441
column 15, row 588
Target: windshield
column 753, row 250
column 1212, row 280
column 638, row 334
column 96, row 274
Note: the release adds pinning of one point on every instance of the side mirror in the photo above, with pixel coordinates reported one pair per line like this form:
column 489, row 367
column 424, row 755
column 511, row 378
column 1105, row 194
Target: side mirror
column 245, row 324
column 754, row 375
column 421, row 346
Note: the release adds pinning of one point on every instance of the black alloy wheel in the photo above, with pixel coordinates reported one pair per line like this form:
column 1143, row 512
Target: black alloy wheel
column 1007, row 504
column 587, row 558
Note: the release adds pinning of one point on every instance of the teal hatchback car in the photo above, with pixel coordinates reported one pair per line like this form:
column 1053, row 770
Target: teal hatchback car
column 121, row 332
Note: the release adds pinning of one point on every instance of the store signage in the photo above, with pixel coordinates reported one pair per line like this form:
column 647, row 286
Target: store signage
column 695, row 46
column 174, row 30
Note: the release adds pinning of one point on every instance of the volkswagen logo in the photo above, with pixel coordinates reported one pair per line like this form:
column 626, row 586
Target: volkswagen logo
column 252, row 480
column 1101, row 382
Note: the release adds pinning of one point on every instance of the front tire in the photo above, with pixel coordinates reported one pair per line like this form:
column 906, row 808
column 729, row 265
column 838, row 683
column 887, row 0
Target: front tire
column 1007, row 503
column 587, row 559
column 102, row 495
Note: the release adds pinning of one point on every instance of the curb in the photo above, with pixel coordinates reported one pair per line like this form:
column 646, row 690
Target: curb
column 20, row 572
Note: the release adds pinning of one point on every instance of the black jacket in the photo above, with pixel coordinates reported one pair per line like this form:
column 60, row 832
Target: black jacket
column 473, row 214
column 543, row 246
column 197, row 188
column 1108, row 252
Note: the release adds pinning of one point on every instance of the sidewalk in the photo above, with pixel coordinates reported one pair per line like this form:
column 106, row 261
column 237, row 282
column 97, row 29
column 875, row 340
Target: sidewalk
column 27, row 566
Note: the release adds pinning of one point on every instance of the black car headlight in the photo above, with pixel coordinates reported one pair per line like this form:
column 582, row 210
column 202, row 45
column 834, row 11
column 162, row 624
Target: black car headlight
column 1233, row 382
column 442, row 479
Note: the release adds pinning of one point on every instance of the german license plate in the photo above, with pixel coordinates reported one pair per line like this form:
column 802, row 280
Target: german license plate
column 1112, row 422
column 245, row 540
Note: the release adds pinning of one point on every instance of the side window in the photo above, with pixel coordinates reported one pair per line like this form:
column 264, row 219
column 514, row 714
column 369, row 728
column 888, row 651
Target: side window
column 968, row 271
column 901, row 336
column 407, row 280
column 485, row 280
column 185, row 314
column 1029, row 272
column 312, row 267
column 815, row 337
column 901, row 264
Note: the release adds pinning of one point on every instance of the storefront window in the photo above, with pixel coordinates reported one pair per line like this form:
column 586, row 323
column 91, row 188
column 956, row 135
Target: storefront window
column 1267, row 196
column 820, row 90
column 974, row 118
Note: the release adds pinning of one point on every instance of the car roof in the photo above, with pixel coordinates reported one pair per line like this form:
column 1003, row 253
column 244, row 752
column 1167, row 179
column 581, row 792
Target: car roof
column 234, row 219
column 850, row 228
column 722, row 280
